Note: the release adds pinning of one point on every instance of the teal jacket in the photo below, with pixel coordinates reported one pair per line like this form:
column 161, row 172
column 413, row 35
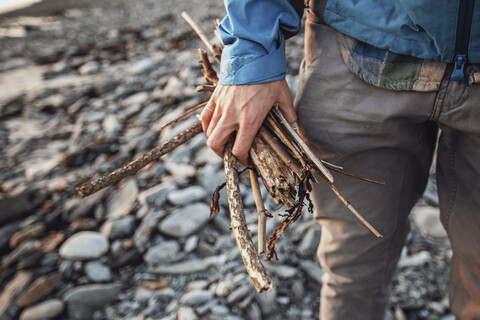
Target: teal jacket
column 254, row 31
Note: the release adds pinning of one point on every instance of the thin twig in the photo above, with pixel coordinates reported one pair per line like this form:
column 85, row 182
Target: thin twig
column 335, row 168
column 132, row 167
column 351, row 208
column 254, row 266
column 199, row 32
column 183, row 115
column 301, row 144
column 280, row 150
column 208, row 71
column 277, row 130
column 205, row 88
column 262, row 217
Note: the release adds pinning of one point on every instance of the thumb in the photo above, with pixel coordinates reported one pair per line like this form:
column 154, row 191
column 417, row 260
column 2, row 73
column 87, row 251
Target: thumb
column 285, row 104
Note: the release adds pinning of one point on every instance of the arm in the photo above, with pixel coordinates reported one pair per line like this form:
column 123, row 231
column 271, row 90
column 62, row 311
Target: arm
column 252, row 73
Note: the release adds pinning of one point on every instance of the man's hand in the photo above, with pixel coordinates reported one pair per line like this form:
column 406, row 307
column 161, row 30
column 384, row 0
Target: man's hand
column 242, row 108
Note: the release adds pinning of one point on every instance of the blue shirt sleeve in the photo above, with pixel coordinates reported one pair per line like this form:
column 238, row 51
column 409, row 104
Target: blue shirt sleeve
column 254, row 45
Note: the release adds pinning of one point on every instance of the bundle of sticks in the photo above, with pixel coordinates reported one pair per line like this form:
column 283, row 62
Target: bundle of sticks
column 278, row 156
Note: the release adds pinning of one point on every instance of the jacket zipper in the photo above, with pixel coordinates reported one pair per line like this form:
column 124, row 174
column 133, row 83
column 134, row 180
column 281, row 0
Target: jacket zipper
column 462, row 39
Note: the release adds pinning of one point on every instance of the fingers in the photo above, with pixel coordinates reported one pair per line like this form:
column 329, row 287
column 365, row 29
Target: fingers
column 207, row 114
column 243, row 142
column 219, row 136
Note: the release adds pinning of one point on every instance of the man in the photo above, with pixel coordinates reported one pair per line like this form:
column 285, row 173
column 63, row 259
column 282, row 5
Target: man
column 378, row 79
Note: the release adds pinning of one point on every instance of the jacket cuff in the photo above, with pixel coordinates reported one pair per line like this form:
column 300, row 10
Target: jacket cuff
column 253, row 69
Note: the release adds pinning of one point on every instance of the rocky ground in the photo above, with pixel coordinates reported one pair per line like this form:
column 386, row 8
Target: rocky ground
column 83, row 89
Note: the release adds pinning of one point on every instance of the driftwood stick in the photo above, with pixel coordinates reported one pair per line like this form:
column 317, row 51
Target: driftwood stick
column 273, row 125
column 132, row 167
column 262, row 217
column 301, row 144
column 336, row 169
column 208, row 71
column 250, row 258
column 351, row 208
column 279, row 180
column 183, row 115
column 280, row 150
column 205, row 88
column 199, row 32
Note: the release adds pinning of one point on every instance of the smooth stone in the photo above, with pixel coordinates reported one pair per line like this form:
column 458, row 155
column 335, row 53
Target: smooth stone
column 191, row 244
column 282, row 271
column 186, row 196
column 91, row 67
column 39, row 289
column 224, row 287
column 119, row 229
column 310, row 241
column 427, row 219
column 30, row 232
column 13, row 288
column 238, row 293
column 20, row 204
column 180, row 170
column 266, row 301
column 143, row 66
column 182, row 154
column 49, row 309
column 186, row 313
column 156, row 196
column 192, row 266
column 186, row 221
column 98, row 272
column 196, row 297
column 146, row 227
column 173, row 88
column 162, row 253
column 415, row 260
column 123, row 201
column 84, row 245
column 82, row 301
column 219, row 310
column 254, row 312
column 312, row 269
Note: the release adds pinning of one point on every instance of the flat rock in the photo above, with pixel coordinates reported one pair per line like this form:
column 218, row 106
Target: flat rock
column 120, row 228
column 196, row 297
column 142, row 66
column 123, row 201
column 156, row 196
column 427, row 219
column 186, row 221
column 39, row 289
column 49, row 309
column 415, row 260
column 309, row 243
column 312, row 269
column 192, row 266
column 82, row 301
column 162, row 253
column 148, row 224
column 29, row 232
column 186, row 313
column 13, row 288
column 98, row 272
column 186, row 196
column 91, row 67
column 85, row 245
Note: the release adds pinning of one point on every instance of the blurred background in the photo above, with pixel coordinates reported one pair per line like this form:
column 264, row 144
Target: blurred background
column 84, row 87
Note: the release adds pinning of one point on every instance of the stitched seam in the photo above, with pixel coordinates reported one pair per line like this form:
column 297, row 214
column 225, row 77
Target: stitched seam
column 453, row 196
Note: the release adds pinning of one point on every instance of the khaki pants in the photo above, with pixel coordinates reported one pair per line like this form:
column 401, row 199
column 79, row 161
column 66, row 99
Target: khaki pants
column 388, row 136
